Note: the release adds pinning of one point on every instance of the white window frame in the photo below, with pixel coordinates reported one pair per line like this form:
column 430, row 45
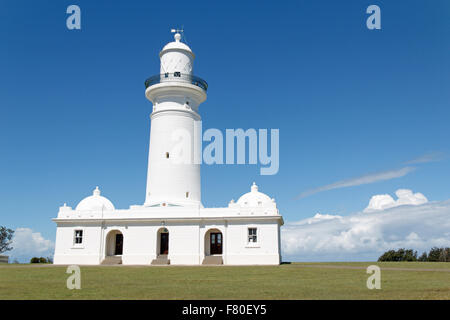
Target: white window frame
column 251, row 244
column 252, row 236
column 81, row 244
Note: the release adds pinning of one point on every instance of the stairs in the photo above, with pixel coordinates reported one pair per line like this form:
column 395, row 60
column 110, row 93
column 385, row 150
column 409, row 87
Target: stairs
column 112, row 260
column 212, row 260
column 161, row 260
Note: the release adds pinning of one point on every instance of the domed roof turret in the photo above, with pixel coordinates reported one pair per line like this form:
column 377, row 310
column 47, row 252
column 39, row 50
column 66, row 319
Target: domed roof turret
column 96, row 202
column 176, row 45
column 254, row 198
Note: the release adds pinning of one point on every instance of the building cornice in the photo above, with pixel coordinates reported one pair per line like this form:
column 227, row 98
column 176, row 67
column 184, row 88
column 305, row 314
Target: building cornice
column 172, row 219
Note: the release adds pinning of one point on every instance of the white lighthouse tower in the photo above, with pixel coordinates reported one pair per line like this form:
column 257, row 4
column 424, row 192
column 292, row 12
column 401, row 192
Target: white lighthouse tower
column 173, row 177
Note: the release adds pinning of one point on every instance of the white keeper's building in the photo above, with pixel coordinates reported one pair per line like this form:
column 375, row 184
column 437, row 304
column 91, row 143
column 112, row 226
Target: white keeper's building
column 172, row 226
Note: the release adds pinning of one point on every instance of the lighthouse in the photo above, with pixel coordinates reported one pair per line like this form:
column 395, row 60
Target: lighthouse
column 173, row 176
column 171, row 226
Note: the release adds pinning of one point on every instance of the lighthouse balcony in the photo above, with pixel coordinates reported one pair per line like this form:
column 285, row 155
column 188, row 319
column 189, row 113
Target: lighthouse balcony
column 176, row 77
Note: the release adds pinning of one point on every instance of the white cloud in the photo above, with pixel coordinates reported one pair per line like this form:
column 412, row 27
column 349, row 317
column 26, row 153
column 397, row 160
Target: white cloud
column 429, row 157
column 385, row 201
column 365, row 179
column 365, row 236
column 27, row 244
column 319, row 217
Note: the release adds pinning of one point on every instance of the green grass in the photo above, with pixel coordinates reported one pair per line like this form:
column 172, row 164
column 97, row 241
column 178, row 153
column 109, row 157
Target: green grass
column 287, row 281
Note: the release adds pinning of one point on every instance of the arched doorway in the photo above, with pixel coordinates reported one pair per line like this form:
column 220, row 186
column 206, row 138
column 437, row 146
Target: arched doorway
column 114, row 243
column 213, row 242
column 162, row 242
column 162, row 247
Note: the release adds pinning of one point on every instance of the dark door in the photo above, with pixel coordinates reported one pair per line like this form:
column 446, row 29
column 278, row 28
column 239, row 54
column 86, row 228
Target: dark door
column 216, row 243
column 119, row 244
column 164, row 243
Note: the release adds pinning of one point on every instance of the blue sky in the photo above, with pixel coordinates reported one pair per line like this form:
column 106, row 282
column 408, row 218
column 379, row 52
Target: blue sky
column 348, row 101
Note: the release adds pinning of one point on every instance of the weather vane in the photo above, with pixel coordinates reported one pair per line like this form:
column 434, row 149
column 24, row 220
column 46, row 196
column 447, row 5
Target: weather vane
column 181, row 32
column 177, row 30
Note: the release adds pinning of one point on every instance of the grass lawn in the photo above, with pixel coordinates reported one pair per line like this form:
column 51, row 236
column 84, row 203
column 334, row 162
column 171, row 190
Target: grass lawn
column 402, row 280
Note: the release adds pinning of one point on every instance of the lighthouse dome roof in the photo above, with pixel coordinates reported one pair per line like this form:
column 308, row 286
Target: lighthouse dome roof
column 254, row 198
column 176, row 45
column 95, row 202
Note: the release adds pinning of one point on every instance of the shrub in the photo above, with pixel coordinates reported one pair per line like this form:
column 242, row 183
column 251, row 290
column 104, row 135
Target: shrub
column 39, row 260
column 34, row 260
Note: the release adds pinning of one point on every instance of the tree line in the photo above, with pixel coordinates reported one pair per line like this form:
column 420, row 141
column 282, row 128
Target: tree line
column 434, row 255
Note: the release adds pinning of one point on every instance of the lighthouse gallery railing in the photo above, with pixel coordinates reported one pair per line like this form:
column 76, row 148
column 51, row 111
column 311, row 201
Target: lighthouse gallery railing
column 176, row 76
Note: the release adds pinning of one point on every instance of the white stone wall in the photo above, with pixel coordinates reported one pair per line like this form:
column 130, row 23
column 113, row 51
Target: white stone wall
column 67, row 252
column 186, row 242
column 264, row 251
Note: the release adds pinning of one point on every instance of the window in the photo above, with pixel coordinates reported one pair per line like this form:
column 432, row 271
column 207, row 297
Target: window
column 167, row 155
column 252, row 235
column 187, row 194
column 78, row 237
